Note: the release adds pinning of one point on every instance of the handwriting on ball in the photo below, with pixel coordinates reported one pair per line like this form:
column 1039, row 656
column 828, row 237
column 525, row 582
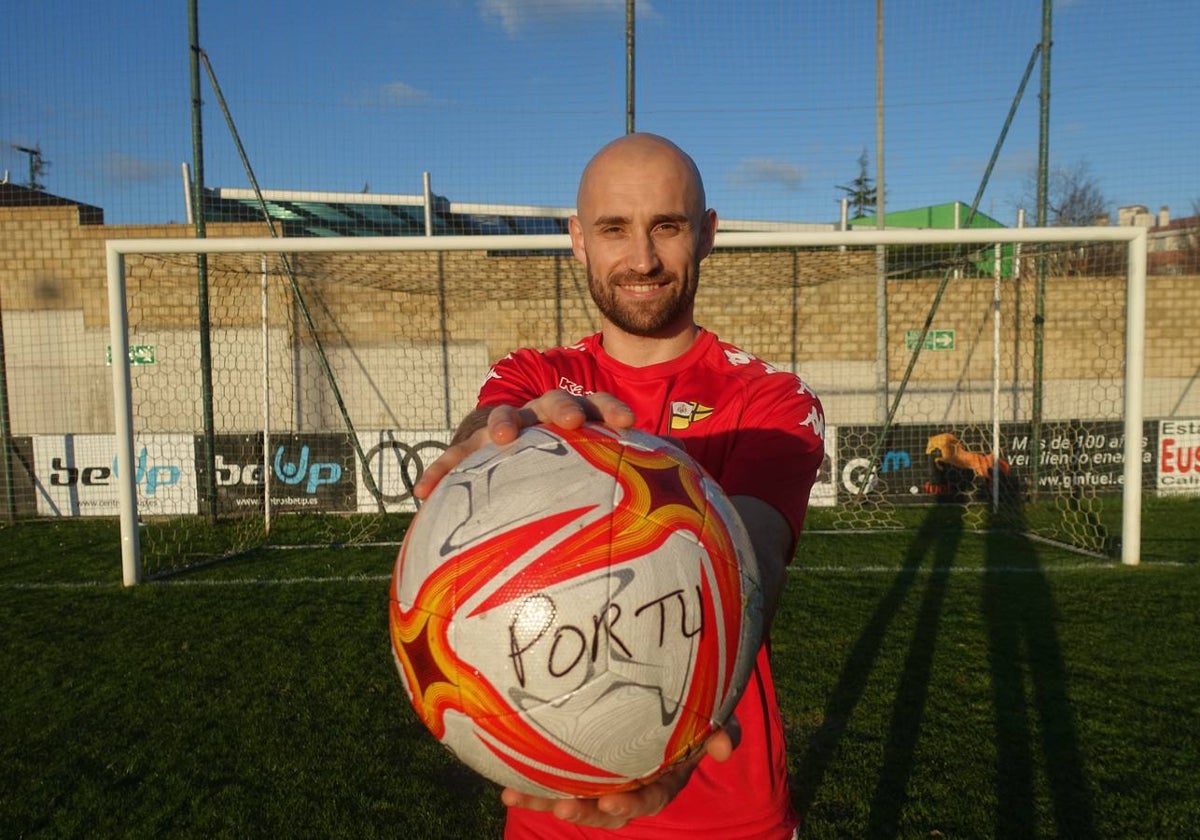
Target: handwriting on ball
column 537, row 639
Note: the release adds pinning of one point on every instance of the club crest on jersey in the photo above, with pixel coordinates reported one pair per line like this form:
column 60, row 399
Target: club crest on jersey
column 684, row 413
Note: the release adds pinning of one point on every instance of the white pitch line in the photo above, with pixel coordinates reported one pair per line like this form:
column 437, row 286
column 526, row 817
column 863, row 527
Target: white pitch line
column 796, row 569
column 94, row 584
column 274, row 581
column 202, row 582
column 981, row 570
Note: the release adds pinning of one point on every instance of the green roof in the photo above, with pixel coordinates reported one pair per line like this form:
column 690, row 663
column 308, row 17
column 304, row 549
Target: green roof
column 949, row 216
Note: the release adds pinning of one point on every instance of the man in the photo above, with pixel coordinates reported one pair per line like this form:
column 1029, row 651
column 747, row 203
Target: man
column 641, row 230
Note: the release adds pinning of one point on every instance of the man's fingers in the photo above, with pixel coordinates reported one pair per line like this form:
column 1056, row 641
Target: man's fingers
column 505, row 422
column 613, row 810
column 613, row 411
column 721, row 744
column 562, row 409
column 515, row 799
column 643, row 802
column 445, row 462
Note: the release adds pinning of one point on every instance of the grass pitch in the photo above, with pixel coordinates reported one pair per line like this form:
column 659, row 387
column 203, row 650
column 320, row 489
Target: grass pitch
column 935, row 682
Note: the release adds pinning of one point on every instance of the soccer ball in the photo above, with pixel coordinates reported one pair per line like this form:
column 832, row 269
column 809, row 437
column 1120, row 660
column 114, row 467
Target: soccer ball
column 574, row 613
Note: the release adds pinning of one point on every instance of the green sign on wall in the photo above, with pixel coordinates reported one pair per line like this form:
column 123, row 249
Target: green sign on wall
column 934, row 340
column 139, row 354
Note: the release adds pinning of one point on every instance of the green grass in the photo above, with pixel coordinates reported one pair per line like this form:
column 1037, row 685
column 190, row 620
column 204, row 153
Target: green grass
column 934, row 682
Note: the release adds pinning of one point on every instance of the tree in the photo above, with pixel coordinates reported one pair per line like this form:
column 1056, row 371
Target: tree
column 860, row 191
column 1073, row 198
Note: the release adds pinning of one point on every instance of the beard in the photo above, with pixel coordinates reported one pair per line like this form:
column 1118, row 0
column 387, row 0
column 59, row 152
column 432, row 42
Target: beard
column 644, row 318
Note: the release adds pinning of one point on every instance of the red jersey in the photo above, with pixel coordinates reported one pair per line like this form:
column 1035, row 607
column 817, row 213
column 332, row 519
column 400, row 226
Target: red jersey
column 759, row 432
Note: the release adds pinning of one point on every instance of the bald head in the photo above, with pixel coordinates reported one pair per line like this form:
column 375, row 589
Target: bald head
column 642, row 157
column 641, row 228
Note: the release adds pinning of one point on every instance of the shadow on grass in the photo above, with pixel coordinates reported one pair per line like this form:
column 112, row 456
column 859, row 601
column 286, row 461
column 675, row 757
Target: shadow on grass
column 942, row 531
column 1028, row 682
column 939, row 535
column 1029, row 690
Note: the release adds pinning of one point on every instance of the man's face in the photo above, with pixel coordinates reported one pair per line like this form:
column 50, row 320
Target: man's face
column 641, row 232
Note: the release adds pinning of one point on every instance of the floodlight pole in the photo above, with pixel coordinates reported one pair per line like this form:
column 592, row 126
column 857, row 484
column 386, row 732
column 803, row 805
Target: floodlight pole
column 1039, row 299
column 209, row 487
column 630, row 27
column 6, row 466
column 881, row 297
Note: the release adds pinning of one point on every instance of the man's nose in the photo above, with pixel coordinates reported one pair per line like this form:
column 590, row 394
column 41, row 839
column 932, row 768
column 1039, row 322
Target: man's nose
column 644, row 255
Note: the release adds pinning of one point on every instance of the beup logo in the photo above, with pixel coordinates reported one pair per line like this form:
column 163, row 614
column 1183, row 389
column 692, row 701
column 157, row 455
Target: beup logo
column 313, row 475
column 149, row 477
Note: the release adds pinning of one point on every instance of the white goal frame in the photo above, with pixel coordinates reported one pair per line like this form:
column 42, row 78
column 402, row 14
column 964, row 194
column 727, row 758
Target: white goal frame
column 1135, row 239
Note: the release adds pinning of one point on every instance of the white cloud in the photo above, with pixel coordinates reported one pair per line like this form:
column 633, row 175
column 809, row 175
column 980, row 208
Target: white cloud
column 515, row 15
column 129, row 169
column 1012, row 163
column 761, row 171
column 395, row 93
column 389, row 95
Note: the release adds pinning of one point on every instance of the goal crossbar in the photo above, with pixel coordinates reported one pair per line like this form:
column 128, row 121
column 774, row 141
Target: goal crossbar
column 1135, row 239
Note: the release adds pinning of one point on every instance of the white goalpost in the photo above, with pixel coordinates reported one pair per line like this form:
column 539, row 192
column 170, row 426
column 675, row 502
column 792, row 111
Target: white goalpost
column 816, row 274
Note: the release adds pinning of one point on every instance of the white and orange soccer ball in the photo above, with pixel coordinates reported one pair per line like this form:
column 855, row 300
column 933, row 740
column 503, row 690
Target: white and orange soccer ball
column 575, row 613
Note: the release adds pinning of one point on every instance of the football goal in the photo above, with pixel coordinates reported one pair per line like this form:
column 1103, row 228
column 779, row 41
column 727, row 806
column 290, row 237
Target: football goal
column 1001, row 370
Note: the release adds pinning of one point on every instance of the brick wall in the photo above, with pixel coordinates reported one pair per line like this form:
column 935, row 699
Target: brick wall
column 381, row 321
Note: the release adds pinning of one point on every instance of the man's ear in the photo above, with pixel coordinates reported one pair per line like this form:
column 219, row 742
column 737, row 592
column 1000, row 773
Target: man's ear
column 708, row 233
column 576, row 229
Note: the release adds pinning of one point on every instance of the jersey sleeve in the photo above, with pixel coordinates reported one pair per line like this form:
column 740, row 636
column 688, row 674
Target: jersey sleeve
column 779, row 447
column 516, row 379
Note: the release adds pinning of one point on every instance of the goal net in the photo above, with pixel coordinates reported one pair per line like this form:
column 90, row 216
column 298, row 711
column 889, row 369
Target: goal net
column 998, row 370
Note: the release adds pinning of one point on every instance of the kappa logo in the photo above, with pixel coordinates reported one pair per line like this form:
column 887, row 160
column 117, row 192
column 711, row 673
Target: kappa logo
column 684, row 413
column 572, row 388
column 493, row 373
column 816, row 422
column 738, row 357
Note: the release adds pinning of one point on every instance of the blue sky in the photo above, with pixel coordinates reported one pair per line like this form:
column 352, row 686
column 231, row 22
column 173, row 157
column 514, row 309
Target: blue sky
column 502, row 101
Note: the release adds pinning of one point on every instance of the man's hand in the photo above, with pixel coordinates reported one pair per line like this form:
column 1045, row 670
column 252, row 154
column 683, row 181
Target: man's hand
column 503, row 423
column 614, row 810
